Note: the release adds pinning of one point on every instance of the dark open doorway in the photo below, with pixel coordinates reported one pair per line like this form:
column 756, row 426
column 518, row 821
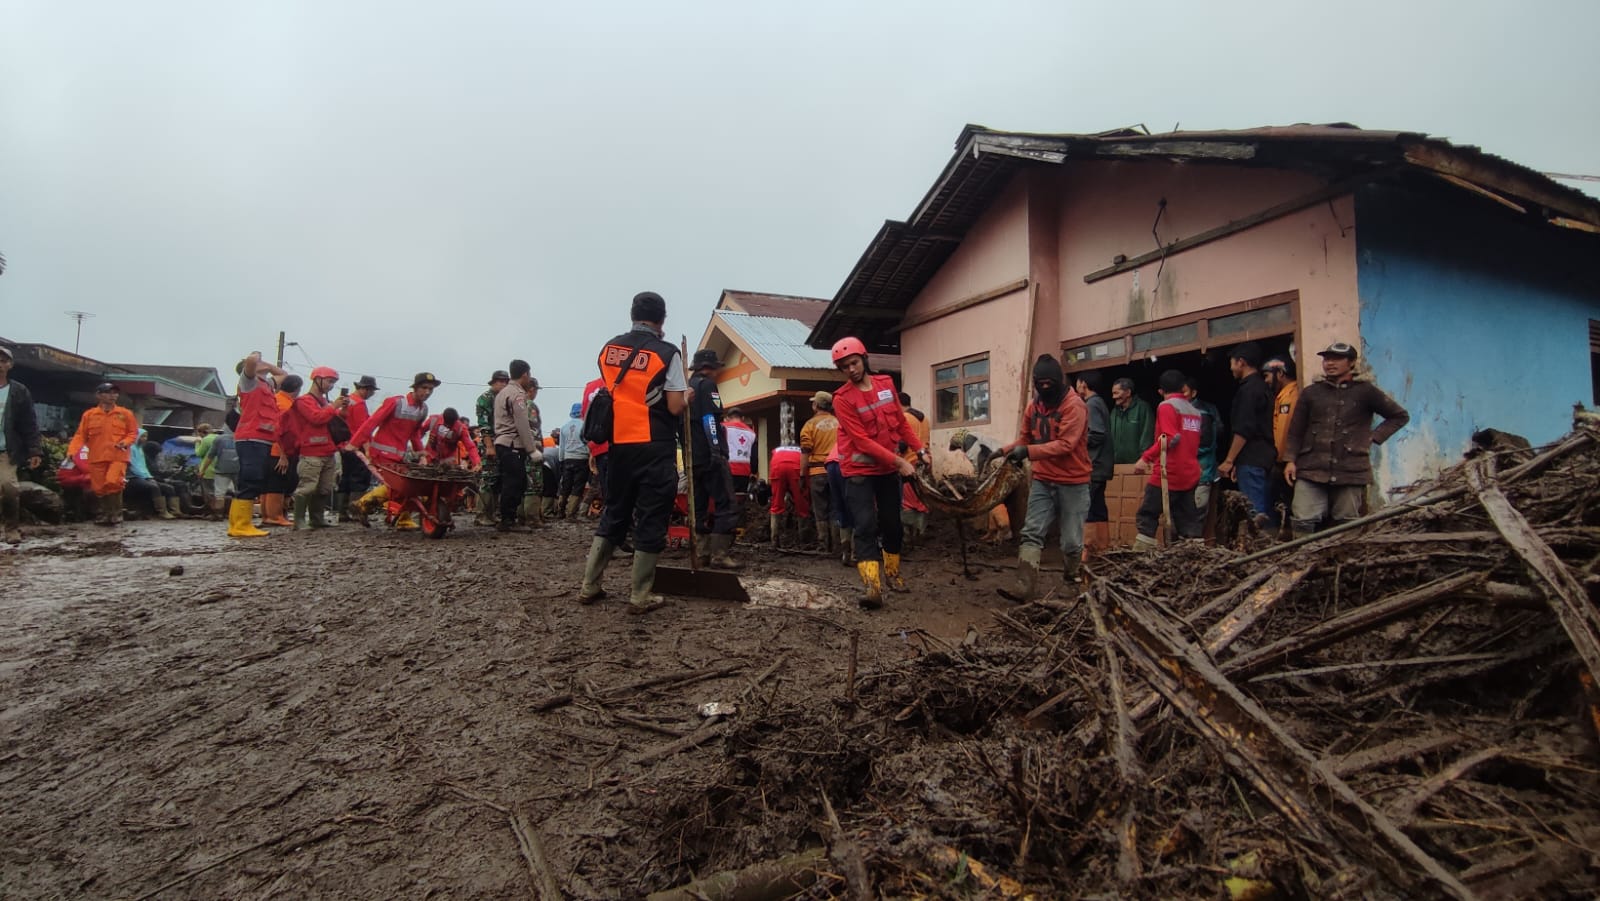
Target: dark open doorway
column 1209, row 367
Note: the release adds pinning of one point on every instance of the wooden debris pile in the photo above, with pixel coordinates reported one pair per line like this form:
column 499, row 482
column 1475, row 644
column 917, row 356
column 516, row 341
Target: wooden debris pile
column 1403, row 709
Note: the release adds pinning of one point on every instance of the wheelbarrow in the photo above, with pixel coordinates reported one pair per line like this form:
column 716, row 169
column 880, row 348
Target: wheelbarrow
column 430, row 491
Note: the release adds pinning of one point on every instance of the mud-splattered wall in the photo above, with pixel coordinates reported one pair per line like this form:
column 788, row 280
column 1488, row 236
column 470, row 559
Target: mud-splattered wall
column 1471, row 320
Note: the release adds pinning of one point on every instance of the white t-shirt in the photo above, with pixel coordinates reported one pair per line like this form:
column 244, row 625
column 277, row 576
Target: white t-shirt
column 5, row 398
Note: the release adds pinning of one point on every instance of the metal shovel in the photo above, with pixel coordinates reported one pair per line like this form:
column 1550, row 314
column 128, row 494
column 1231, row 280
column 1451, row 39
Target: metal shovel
column 696, row 582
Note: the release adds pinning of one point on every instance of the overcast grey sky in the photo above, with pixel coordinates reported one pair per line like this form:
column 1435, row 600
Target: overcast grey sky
column 403, row 185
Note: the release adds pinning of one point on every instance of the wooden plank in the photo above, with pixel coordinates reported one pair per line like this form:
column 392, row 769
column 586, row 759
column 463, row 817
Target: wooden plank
column 958, row 306
column 1260, row 601
column 1288, row 207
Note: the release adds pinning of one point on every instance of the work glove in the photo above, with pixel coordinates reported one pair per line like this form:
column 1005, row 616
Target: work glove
column 536, row 455
column 411, row 456
column 1017, row 454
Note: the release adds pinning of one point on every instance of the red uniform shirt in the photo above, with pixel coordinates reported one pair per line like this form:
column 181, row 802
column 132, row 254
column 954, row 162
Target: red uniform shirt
column 786, row 460
column 447, row 442
column 1179, row 422
column 311, row 416
column 355, row 415
column 258, row 412
column 871, row 426
column 395, row 428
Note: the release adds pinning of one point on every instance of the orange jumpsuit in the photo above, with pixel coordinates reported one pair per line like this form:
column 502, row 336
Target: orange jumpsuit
column 101, row 432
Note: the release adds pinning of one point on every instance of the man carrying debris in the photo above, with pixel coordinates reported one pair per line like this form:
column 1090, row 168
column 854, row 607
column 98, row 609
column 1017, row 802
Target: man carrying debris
column 708, row 443
column 817, row 439
column 645, row 376
column 1173, row 461
column 1330, row 439
column 871, row 427
column 389, row 434
column 1054, row 438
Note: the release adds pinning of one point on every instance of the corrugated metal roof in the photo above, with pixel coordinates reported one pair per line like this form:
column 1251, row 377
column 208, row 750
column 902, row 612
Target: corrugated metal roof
column 783, row 306
column 780, row 342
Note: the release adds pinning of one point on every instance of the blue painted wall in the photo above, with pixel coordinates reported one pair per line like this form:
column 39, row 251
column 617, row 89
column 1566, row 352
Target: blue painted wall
column 1471, row 318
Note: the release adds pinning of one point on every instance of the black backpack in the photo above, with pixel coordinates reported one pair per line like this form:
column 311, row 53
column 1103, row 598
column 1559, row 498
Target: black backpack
column 598, row 421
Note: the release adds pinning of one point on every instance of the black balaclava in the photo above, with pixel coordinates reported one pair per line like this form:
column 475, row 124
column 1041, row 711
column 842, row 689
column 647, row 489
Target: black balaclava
column 1047, row 368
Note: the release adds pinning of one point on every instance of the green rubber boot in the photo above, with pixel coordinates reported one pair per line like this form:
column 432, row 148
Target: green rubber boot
column 600, row 551
column 644, row 579
column 302, row 505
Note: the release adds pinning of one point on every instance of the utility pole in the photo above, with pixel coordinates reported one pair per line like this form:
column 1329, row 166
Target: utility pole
column 78, row 316
column 280, row 350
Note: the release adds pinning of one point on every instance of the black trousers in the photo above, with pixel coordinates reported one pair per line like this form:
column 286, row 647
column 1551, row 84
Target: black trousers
column 641, row 483
column 513, row 467
column 251, row 482
column 574, row 477
column 713, row 499
column 1097, row 503
column 550, row 482
column 354, row 476
column 874, row 503
column 1185, row 517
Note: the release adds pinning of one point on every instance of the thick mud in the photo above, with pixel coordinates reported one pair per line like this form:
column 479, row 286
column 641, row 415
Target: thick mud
column 364, row 714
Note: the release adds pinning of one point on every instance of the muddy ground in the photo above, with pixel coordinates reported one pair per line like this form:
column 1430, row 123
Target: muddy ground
column 354, row 714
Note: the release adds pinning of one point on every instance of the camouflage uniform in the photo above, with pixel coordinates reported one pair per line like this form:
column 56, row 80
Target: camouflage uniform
column 530, row 497
column 489, row 475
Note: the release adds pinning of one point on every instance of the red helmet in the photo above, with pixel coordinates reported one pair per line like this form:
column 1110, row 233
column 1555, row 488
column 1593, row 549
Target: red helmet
column 325, row 372
column 845, row 347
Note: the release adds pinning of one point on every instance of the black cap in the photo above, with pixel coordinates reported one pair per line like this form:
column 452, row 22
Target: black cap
column 500, row 375
column 103, row 387
column 1250, row 352
column 648, row 307
column 1338, row 349
column 425, row 378
column 706, row 357
column 367, row 381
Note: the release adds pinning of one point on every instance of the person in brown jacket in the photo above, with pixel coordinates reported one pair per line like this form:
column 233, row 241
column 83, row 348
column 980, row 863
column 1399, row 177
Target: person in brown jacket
column 1330, row 439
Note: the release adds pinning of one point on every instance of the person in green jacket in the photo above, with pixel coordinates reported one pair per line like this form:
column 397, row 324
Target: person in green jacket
column 1133, row 423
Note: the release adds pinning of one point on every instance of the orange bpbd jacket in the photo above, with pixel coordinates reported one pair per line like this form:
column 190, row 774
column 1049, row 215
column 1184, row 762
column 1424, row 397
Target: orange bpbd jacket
column 101, row 432
column 871, row 426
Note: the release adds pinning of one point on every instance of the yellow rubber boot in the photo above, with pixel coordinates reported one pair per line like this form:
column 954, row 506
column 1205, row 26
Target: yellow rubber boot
column 891, row 573
column 872, row 580
column 239, row 525
column 407, row 522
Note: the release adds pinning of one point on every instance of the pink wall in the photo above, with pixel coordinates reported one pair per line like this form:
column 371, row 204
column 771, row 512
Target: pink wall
column 995, row 253
column 1108, row 209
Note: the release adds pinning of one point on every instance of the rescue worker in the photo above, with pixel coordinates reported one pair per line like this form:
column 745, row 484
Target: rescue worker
column 259, row 418
column 389, row 435
column 311, row 413
column 708, row 454
column 871, row 427
column 550, row 475
column 515, row 442
column 1280, row 378
column 281, row 478
column 785, row 472
column 447, row 441
column 1097, row 525
column 574, row 465
column 817, row 440
column 1054, row 436
column 354, row 476
column 1330, row 441
column 489, row 474
column 648, row 394
column 1180, row 431
column 741, row 449
column 19, row 441
column 108, row 431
